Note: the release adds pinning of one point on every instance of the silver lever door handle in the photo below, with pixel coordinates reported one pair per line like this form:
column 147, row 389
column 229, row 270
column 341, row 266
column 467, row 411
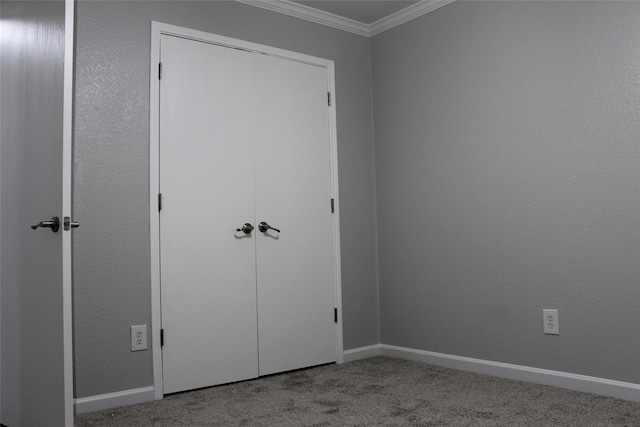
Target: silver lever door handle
column 246, row 228
column 264, row 227
column 54, row 224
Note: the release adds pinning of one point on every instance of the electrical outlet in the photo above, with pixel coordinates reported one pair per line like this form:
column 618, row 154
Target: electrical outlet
column 550, row 322
column 138, row 337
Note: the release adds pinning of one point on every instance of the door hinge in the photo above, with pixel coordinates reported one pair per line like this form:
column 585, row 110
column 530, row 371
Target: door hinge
column 335, row 315
column 329, row 99
column 161, row 337
column 160, row 71
column 159, row 202
column 333, row 206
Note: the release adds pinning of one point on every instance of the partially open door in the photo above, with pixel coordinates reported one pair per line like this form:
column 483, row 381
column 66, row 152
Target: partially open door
column 35, row 175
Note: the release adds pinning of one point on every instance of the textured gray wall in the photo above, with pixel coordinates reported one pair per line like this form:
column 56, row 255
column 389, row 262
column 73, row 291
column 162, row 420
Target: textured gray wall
column 111, row 177
column 508, row 177
column 32, row 56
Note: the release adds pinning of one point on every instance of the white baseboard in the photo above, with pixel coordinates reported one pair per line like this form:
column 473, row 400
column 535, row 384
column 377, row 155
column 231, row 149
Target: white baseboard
column 102, row 402
column 583, row 383
column 361, row 353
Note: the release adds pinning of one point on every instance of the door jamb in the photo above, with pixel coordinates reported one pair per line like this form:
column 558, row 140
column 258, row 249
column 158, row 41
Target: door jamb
column 157, row 30
column 67, row 177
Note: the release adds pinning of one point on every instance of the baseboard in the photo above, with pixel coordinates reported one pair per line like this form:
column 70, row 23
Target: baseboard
column 102, row 402
column 361, row 353
column 583, row 383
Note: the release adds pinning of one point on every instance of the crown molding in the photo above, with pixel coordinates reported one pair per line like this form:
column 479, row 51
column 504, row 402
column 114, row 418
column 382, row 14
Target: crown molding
column 301, row 11
column 310, row 14
column 405, row 15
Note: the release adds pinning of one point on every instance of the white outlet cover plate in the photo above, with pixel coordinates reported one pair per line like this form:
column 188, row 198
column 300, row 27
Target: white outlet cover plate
column 550, row 321
column 138, row 337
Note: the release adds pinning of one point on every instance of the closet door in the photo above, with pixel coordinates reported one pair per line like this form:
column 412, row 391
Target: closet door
column 296, row 325
column 244, row 139
column 208, row 274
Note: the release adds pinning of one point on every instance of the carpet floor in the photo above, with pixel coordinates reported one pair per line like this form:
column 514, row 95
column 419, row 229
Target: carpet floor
column 380, row 391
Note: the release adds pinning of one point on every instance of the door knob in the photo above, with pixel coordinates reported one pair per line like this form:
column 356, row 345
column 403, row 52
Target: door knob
column 264, row 227
column 54, row 224
column 246, row 228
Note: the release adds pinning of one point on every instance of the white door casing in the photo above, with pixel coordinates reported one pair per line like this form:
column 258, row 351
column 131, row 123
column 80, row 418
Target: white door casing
column 67, row 203
column 300, row 235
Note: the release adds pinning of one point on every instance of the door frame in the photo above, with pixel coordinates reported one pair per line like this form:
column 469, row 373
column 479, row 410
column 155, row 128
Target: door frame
column 67, row 196
column 157, row 30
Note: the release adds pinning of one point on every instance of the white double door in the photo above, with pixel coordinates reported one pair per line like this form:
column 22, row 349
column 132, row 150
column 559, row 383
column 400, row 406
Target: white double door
column 244, row 139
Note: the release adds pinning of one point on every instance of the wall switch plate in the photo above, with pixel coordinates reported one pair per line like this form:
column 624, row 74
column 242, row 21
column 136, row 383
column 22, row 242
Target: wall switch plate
column 550, row 322
column 138, row 337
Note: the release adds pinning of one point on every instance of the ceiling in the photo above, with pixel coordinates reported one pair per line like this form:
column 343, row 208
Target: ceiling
column 364, row 11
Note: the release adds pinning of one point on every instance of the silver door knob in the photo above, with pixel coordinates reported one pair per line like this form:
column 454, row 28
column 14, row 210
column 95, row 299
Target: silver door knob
column 264, row 227
column 54, row 224
column 246, row 228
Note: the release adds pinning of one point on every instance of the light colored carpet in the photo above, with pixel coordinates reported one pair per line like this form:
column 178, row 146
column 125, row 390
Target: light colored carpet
column 380, row 391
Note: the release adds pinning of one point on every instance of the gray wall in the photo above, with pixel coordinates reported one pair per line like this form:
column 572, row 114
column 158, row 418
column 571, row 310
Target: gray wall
column 31, row 122
column 111, row 177
column 507, row 162
column 507, row 176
